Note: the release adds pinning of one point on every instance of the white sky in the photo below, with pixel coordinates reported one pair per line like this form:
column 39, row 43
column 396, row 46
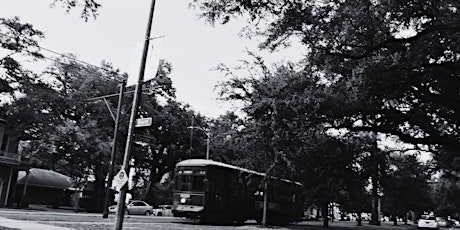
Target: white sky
column 191, row 46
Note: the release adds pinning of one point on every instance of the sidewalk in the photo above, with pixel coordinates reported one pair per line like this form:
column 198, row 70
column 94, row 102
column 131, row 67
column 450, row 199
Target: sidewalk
column 28, row 225
column 365, row 225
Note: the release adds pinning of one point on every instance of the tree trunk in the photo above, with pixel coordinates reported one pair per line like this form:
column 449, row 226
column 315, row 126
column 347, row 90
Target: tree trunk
column 375, row 203
column 76, row 198
column 24, row 191
column 148, row 194
column 99, row 186
column 395, row 218
column 359, row 219
column 265, row 209
column 148, row 189
column 326, row 214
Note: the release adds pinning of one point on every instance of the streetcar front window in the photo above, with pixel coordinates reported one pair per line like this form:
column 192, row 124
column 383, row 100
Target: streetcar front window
column 186, row 180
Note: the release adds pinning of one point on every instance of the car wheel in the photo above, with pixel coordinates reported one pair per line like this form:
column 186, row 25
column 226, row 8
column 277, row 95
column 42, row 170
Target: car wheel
column 259, row 220
column 159, row 214
column 148, row 213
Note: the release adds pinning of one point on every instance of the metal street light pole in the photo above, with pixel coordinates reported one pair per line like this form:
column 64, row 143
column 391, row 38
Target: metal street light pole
column 132, row 120
column 208, row 138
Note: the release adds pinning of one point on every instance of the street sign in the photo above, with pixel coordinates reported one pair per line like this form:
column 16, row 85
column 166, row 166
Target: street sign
column 143, row 122
column 119, row 180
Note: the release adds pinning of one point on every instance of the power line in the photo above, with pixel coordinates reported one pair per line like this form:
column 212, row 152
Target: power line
column 63, row 55
column 75, row 59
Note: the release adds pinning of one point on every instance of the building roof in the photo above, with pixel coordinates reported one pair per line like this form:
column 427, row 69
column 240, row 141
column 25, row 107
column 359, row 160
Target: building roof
column 45, row 178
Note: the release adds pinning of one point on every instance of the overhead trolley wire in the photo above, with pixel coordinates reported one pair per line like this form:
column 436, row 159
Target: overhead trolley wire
column 63, row 55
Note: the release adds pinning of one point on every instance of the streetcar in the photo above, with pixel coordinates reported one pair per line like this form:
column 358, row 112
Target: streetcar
column 215, row 192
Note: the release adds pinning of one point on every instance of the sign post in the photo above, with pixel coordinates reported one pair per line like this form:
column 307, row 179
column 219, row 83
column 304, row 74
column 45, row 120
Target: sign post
column 105, row 213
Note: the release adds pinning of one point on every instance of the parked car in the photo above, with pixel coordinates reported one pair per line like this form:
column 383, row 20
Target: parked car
column 136, row 207
column 455, row 223
column 443, row 222
column 427, row 222
column 163, row 210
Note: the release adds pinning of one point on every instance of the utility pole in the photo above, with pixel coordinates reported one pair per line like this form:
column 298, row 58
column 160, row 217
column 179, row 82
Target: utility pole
column 208, row 137
column 208, row 140
column 191, row 138
column 105, row 213
column 266, row 180
column 132, row 120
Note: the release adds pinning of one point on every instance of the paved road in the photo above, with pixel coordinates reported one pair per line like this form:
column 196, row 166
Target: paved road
column 39, row 219
column 71, row 220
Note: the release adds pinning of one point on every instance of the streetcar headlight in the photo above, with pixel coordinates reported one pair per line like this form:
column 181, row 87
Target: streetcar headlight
column 183, row 200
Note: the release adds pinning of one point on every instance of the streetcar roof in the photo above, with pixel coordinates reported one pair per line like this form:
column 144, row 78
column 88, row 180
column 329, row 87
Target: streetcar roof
column 204, row 162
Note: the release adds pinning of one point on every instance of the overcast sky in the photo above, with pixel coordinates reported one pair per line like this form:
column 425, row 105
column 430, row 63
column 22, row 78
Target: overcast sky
column 190, row 45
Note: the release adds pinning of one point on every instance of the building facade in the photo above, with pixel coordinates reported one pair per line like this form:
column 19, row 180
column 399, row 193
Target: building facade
column 10, row 163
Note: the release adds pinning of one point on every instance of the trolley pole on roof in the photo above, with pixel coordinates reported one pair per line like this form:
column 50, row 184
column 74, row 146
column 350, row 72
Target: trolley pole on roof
column 132, row 120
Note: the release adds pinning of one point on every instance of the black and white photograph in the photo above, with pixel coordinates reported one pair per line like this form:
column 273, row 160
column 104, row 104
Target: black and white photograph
column 229, row 114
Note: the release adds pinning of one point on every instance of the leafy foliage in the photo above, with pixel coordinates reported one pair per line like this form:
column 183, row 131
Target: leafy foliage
column 287, row 132
column 89, row 8
column 386, row 66
column 445, row 193
column 230, row 139
column 17, row 40
column 407, row 174
column 64, row 123
column 396, row 57
column 63, row 130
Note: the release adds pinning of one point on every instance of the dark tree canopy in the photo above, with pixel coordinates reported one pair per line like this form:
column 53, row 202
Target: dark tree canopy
column 387, row 67
column 64, row 124
column 406, row 188
column 393, row 64
column 18, row 41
